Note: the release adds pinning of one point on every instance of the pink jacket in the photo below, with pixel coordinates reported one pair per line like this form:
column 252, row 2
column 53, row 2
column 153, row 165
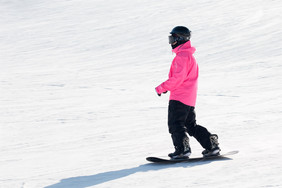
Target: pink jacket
column 183, row 76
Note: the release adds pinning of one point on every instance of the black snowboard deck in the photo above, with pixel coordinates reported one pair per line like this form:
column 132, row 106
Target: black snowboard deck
column 194, row 159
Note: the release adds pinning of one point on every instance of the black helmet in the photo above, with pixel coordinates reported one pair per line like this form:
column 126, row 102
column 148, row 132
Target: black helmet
column 179, row 34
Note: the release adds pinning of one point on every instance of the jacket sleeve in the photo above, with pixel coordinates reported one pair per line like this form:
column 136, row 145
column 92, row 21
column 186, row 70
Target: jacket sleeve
column 178, row 74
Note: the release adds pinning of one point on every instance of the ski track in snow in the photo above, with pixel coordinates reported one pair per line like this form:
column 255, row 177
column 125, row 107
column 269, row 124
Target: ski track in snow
column 77, row 101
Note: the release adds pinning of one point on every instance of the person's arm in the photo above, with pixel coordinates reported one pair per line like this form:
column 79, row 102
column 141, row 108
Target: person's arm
column 179, row 73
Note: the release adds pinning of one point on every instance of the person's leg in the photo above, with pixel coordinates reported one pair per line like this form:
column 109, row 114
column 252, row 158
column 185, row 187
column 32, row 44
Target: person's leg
column 202, row 135
column 177, row 113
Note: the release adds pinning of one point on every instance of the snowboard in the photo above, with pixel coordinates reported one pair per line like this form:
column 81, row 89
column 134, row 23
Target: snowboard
column 195, row 159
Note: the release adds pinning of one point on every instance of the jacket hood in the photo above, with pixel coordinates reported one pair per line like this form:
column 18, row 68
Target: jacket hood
column 186, row 47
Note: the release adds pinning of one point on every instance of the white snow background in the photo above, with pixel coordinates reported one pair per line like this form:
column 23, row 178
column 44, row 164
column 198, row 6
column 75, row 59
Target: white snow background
column 77, row 101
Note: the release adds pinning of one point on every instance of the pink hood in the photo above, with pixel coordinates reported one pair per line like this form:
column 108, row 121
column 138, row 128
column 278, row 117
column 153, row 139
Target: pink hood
column 183, row 76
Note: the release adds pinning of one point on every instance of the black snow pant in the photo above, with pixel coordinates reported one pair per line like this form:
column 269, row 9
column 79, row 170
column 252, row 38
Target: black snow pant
column 182, row 119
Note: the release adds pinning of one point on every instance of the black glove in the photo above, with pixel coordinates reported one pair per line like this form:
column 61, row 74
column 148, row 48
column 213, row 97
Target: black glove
column 161, row 94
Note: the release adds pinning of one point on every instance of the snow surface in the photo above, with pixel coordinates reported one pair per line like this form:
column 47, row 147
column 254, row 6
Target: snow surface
column 77, row 101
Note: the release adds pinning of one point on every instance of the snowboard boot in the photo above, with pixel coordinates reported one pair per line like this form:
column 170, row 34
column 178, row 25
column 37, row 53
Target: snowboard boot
column 182, row 151
column 214, row 149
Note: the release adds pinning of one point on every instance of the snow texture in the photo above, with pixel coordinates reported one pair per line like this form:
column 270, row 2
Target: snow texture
column 77, row 102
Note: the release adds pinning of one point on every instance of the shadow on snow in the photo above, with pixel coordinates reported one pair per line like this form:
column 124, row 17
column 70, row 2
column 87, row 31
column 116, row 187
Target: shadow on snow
column 86, row 181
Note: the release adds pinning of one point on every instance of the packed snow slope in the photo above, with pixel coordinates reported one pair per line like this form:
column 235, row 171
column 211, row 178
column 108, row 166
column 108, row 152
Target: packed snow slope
column 77, row 101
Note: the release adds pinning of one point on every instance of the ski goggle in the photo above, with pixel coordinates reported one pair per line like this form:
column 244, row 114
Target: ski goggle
column 171, row 39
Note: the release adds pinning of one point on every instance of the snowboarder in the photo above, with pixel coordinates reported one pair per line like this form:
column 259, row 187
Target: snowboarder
column 182, row 84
